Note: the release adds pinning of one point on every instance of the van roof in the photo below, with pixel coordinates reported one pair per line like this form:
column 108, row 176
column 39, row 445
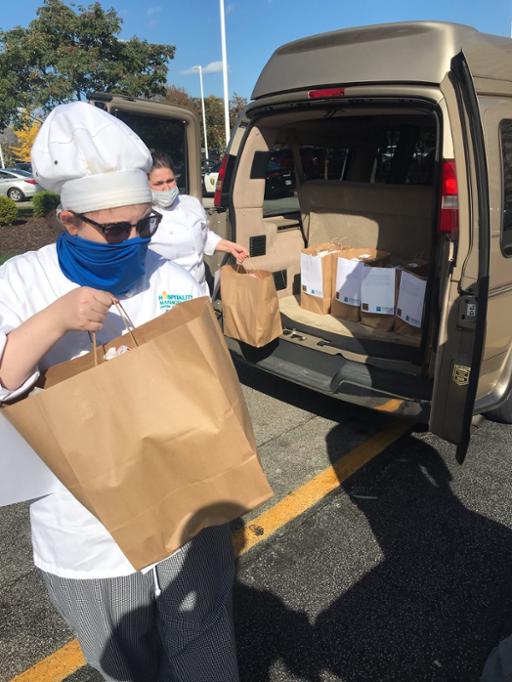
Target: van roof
column 405, row 52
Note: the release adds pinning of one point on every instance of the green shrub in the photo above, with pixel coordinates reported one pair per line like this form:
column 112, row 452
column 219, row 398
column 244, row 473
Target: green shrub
column 44, row 202
column 8, row 211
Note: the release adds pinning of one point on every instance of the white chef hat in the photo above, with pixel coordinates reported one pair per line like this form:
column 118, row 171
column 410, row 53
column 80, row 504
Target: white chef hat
column 91, row 158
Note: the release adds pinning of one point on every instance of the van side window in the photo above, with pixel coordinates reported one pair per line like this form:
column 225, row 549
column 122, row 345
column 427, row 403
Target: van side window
column 324, row 163
column 384, row 157
column 506, row 165
column 420, row 169
column 405, row 156
column 318, row 163
column 370, row 149
column 280, row 192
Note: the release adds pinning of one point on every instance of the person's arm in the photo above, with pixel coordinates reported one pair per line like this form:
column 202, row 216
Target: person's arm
column 214, row 242
column 82, row 309
column 238, row 251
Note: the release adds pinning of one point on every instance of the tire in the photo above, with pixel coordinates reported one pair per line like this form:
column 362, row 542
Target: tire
column 15, row 194
column 503, row 413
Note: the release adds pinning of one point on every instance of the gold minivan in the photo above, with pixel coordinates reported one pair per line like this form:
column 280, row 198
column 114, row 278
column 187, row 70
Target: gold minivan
column 395, row 137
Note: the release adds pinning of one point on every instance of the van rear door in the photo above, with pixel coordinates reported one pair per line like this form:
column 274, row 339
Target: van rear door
column 165, row 128
column 463, row 323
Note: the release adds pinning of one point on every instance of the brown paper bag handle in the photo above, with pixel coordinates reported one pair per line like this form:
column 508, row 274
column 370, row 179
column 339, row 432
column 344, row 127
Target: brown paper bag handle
column 129, row 328
column 127, row 322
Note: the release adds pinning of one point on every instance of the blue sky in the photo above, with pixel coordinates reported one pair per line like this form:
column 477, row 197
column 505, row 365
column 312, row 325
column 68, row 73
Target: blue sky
column 255, row 28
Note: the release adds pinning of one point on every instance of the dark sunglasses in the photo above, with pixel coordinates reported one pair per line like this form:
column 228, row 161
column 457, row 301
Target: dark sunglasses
column 146, row 227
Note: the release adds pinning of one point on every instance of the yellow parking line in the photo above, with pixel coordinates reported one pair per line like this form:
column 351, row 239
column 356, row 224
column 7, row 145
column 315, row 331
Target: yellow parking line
column 69, row 658
column 390, row 406
column 56, row 667
column 303, row 498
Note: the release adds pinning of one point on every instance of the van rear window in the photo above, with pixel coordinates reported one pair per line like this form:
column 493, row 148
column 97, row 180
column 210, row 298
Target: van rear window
column 506, row 169
column 162, row 135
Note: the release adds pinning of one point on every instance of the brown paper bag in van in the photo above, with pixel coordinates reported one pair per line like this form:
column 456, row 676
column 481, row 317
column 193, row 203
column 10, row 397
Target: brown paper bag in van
column 250, row 308
column 318, row 300
column 381, row 317
column 156, row 443
column 340, row 307
column 408, row 323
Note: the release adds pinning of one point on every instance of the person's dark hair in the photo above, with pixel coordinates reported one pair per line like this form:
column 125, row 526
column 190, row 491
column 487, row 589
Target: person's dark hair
column 161, row 160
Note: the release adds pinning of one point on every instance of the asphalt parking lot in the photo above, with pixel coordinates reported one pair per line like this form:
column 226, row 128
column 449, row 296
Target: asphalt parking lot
column 400, row 571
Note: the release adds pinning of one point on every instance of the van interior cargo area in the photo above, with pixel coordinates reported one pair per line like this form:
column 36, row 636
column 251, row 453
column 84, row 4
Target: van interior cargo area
column 360, row 177
column 293, row 314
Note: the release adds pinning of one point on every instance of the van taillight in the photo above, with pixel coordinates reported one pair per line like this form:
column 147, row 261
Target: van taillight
column 326, row 92
column 449, row 210
column 220, row 179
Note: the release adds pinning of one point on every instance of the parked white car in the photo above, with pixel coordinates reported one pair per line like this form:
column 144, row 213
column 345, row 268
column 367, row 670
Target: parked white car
column 17, row 184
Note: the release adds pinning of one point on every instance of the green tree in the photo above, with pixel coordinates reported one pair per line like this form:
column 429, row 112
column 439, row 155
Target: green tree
column 214, row 109
column 66, row 54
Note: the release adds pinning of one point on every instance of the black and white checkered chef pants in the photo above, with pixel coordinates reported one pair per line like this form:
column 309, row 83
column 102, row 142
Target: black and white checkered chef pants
column 172, row 626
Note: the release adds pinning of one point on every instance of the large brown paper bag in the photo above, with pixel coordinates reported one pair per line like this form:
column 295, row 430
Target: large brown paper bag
column 157, row 443
column 250, row 308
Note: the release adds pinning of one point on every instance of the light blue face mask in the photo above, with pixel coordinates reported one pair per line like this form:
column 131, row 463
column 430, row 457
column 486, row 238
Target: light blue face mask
column 166, row 198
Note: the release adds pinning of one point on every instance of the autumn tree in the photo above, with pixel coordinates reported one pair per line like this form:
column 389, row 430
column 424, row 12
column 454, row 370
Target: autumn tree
column 181, row 98
column 66, row 54
column 236, row 105
column 214, row 110
column 25, row 137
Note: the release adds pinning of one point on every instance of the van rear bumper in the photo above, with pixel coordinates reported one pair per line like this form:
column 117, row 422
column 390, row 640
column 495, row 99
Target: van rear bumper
column 353, row 382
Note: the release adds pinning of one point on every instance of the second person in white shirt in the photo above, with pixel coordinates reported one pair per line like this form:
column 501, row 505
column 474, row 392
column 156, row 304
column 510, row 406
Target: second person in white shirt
column 183, row 235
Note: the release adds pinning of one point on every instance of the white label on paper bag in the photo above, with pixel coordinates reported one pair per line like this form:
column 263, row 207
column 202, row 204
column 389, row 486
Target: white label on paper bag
column 378, row 290
column 311, row 274
column 349, row 274
column 411, row 296
column 24, row 474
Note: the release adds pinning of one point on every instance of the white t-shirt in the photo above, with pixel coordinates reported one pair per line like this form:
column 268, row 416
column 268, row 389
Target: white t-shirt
column 183, row 236
column 67, row 539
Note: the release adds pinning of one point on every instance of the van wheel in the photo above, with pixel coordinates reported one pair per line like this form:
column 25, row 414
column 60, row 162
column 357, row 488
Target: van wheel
column 503, row 413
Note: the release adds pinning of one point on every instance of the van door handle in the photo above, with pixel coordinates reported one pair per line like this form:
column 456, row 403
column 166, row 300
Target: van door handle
column 468, row 309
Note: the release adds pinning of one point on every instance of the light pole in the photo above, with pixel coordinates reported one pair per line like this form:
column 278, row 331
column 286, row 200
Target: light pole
column 200, row 69
column 224, row 71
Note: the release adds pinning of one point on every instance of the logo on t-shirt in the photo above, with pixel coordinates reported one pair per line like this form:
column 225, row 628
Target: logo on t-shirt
column 168, row 301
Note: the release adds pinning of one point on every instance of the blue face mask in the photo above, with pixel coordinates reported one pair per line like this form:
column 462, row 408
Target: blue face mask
column 108, row 267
